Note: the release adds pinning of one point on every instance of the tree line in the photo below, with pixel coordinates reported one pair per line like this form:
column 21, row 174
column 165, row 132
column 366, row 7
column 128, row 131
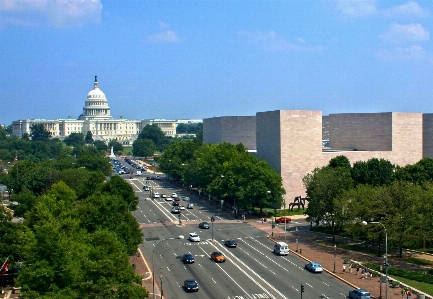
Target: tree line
column 342, row 196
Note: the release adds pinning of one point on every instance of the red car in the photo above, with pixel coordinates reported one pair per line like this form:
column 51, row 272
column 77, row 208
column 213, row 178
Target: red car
column 283, row 219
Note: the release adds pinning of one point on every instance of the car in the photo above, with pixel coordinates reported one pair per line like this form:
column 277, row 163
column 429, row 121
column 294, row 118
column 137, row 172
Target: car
column 168, row 199
column 218, row 257
column 181, row 207
column 176, row 198
column 174, row 195
column 190, row 206
column 231, row 243
column 175, row 210
column 193, row 237
column 186, row 198
column 190, row 285
column 148, row 178
column 283, row 220
column 359, row 294
column 157, row 177
column 188, row 258
column 146, row 188
column 204, row 225
column 175, row 204
column 164, row 195
column 156, row 195
column 314, row 267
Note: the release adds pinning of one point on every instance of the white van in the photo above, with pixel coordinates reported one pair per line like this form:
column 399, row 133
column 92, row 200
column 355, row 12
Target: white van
column 281, row 248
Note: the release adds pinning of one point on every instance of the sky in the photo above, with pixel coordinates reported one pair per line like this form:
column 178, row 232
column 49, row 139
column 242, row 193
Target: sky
column 195, row 59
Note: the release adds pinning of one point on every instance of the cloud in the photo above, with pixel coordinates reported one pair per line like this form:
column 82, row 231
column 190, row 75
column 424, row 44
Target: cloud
column 167, row 36
column 409, row 9
column 272, row 42
column 59, row 13
column 402, row 53
column 397, row 33
column 356, row 8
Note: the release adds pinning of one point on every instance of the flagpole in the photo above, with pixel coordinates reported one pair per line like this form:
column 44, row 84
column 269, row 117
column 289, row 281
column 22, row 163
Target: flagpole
column 3, row 266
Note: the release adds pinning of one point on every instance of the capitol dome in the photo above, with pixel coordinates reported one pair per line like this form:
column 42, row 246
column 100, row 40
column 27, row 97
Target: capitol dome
column 96, row 105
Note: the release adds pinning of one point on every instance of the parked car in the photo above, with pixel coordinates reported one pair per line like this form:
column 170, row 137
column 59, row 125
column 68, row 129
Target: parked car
column 230, row 243
column 194, row 237
column 283, row 220
column 190, row 285
column 204, row 225
column 188, row 258
column 359, row 294
column 218, row 257
column 314, row 267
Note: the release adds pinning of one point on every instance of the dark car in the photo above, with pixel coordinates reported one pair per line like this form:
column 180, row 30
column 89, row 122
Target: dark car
column 188, row 258
column 204, row 225
column 175, row 203
column 231, row 243
column 359, row 294
column 148, row 178
column 190, row 285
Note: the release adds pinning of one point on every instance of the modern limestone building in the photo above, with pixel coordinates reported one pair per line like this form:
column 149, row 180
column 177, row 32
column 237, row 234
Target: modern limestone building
column 291, row 140
column 96, row 118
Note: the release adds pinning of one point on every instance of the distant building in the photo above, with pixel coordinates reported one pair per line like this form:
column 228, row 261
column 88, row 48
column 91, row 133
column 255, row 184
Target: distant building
column 97, row 118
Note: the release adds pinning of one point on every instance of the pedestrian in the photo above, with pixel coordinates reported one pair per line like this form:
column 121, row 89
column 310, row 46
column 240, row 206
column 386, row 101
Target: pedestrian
column 344, row 269
column 350, row 268
column 371, row 274
column 408, row 294
column 357, row 269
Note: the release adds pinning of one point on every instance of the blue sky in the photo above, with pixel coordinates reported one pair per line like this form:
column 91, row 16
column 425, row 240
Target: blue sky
column 199, row 59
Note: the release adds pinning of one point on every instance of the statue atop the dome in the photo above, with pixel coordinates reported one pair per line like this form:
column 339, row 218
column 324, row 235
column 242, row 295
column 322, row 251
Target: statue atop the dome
column 96, row 79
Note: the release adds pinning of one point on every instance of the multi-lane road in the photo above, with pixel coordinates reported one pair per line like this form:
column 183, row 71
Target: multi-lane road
column 251, row 269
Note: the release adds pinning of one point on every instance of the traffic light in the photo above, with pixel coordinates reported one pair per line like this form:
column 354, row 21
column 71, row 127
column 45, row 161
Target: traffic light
column 302, row 288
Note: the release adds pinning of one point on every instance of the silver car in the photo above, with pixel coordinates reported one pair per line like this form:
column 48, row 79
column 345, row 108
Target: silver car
column 314, row 267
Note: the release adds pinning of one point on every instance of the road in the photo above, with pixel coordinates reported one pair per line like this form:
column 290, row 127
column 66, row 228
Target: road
column 251, row 269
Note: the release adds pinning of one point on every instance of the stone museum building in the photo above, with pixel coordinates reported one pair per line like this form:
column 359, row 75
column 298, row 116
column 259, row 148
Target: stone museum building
column 291, row 141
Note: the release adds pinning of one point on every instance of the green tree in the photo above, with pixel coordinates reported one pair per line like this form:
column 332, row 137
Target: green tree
column 89, row 138
column 93, row 161
column 340, row 161
column 143, row 148
column 82, row 181
column 100, row 145
column 117, row 146
column 375, row 172
column 154, row 133
column 323, row 186
column 75, row 139
column 39, row 133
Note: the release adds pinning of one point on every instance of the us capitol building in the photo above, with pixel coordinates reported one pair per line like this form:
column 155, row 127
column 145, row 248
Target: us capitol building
column 97, row 119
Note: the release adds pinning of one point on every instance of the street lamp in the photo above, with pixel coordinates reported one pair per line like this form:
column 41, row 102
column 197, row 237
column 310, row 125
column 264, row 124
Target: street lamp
column 129, row 207
column 335, row 255
column 153, row 266
column 296, row 229
column 386, row 254
column 285, row 224
column 162, row 292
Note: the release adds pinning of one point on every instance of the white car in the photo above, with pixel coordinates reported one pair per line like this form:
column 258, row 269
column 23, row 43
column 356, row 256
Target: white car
column 174, row 195
column 168, row 199
column 181, row 207
column 156, row 195
column 194, row 237
column 186, row 198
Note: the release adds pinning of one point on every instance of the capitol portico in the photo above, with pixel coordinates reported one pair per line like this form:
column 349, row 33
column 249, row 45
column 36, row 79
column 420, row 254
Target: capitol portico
column 97, row 119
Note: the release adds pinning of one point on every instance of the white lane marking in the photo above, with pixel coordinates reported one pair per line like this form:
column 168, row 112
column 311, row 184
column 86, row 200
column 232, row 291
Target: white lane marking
column 245, row 292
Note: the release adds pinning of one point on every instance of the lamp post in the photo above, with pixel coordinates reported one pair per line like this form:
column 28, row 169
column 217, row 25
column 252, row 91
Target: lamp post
column 162, row 292
column 296, row 229
column 153, row 266
column 385, row 257
column 380, row 290
column 285, row 224
column 335, row 256
column 129, row 207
